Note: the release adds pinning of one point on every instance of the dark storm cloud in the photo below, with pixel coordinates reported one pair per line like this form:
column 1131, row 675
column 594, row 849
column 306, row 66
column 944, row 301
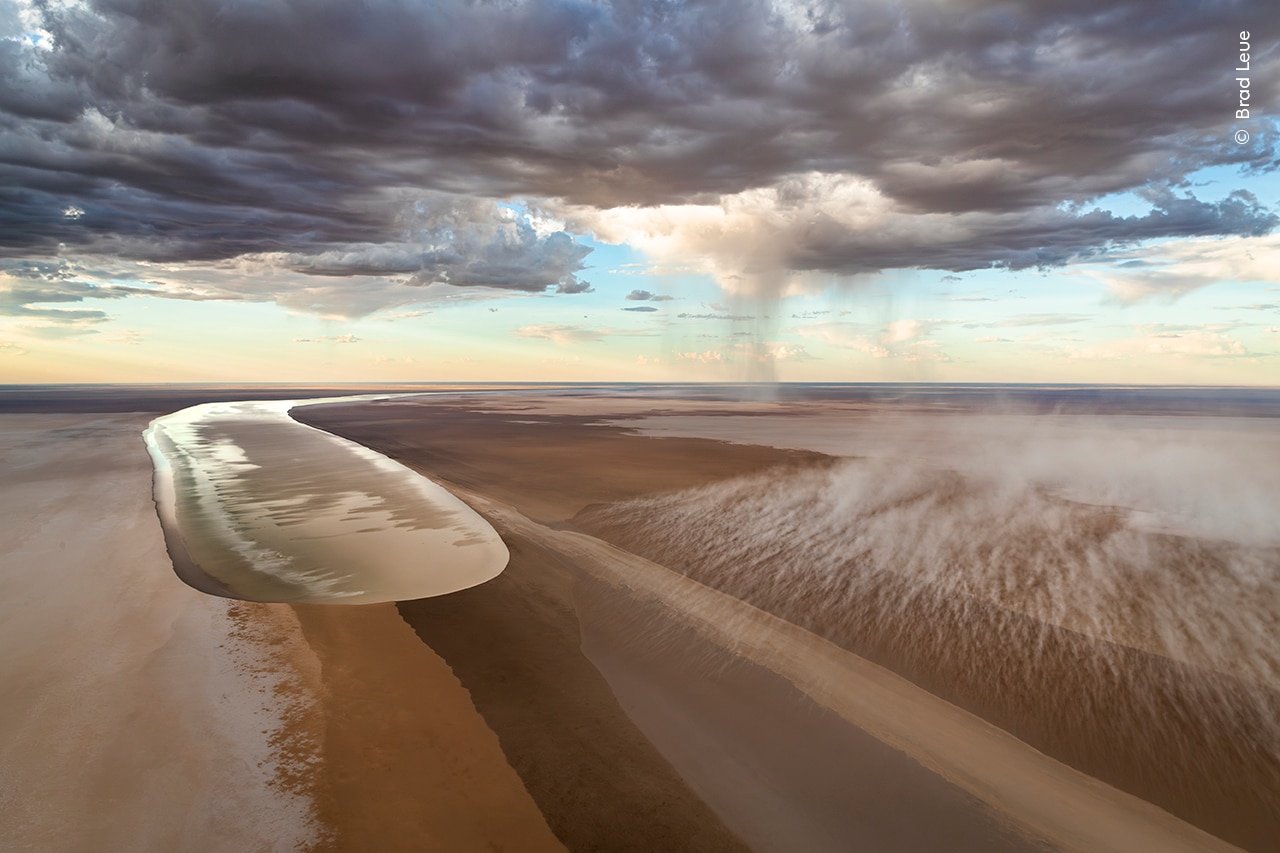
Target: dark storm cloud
column 463, row 242
column 1040, row 237
column 36, row 270
column 209, row 129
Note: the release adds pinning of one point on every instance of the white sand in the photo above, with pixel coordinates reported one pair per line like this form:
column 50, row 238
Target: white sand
column 135, row 713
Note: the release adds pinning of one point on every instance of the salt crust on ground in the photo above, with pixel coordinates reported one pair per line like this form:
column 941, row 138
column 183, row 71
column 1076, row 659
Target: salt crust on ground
column 137, row 714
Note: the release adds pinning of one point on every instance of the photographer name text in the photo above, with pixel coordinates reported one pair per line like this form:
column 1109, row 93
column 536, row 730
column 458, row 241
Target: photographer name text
column 1242, row 104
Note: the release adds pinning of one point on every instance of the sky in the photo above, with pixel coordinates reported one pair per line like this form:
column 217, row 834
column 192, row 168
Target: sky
column 463, row 190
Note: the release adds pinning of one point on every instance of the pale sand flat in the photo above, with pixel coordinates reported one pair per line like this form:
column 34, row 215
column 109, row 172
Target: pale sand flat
column 138, row 714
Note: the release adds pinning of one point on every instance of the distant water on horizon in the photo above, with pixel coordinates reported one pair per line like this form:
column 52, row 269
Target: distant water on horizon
column 1222, row 400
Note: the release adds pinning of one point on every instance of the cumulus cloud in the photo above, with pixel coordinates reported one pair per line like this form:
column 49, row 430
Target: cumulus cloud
column 771, row 140
column 646, row 296
column 753, row 354
column 704, row 357
column 763, row 241
column 1168, row 271
column 781, row 352
column 465, row 242
column 572, row 285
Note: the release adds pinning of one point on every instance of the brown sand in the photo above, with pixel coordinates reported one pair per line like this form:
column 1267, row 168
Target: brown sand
column 517, row 643
column 139, row 714
column 788, row 773
column 135, row 713
column 514, row 643
column 407, row 763
column 1180, row 736
column 1046, row 799
column 549, row 469
column 128, row 732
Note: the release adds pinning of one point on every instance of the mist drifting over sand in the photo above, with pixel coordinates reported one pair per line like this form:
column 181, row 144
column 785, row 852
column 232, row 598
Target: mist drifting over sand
column 1104, row 587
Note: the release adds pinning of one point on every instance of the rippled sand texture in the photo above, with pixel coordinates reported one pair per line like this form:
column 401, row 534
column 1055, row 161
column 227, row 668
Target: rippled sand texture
column 257, row 506
column 1137, row 641
column 987, row 591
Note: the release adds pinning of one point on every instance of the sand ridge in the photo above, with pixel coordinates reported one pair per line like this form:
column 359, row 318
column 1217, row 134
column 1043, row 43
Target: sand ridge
column 1048, row 799
column 549, row 467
